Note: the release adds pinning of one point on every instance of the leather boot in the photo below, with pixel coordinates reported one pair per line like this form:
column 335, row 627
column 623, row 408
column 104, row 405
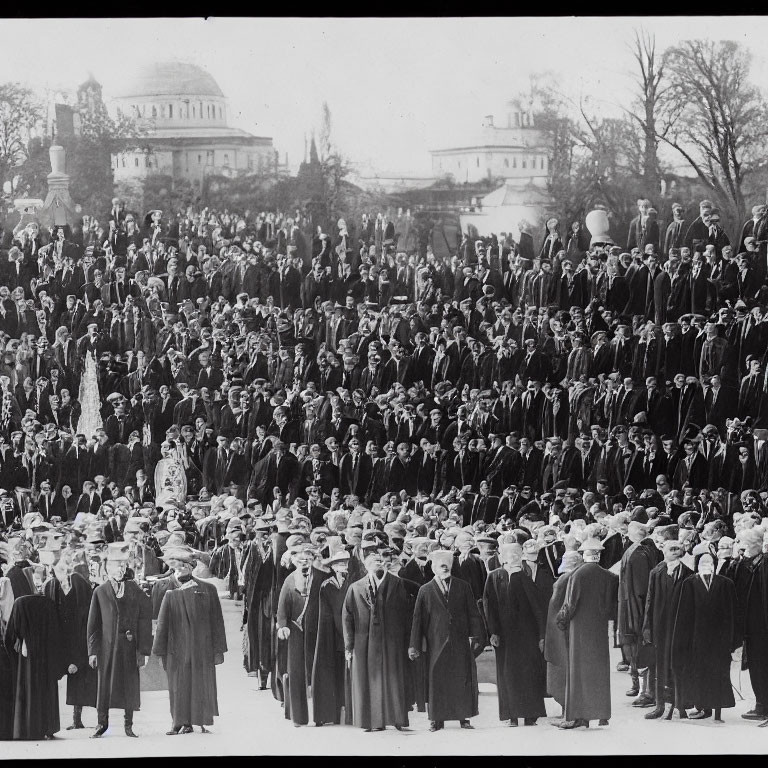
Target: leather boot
column 103, row 725
column 129, row 724
column 77, row 718
column 635, row 689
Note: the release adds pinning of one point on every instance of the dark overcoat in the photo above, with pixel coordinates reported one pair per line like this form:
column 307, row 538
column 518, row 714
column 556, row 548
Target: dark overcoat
column 377, row 635
column 555, row 643
column 73, row 614
column 32, row 640
column 513, row 613
column 189, row 636
column 331, row 688
column 703, row 638
column 447, row 624
column 119, row 631
column 590, row 602
column 660, row 611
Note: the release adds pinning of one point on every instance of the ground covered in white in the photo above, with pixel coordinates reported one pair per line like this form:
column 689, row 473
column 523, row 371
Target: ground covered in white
column 251, row 722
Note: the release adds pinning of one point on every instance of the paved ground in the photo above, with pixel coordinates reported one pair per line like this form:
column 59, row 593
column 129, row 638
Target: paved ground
column 251, row 722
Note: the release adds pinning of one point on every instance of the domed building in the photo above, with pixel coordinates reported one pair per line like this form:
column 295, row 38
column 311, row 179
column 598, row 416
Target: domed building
column 183, row 113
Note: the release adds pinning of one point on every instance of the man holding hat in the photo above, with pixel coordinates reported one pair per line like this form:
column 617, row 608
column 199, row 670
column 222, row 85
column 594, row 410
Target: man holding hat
column 119, row 640
column 190, row 640
column 447, row 619
column 589, row 604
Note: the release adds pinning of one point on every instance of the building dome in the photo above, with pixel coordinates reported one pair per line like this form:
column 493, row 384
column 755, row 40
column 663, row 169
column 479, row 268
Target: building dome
column 167, row 78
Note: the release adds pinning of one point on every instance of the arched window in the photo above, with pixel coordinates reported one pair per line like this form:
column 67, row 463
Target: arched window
column 226, row 159
column 154, row 111
column 199, row 159
column 123, row 159
column 221, row 114
column 136, row 160
column 477, row 162
column 162, row 110
column 525, row 162
column 514, row 162
column 506, row 162
column 541, row 163
column 170, row 110
column 194, row 112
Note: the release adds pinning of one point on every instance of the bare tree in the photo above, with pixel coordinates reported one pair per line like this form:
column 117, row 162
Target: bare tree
column 722, row 130
column 19, row 113
column 652, row 110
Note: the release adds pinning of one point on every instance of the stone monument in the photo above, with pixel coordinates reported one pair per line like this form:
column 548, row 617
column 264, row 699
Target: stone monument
column 58, row 208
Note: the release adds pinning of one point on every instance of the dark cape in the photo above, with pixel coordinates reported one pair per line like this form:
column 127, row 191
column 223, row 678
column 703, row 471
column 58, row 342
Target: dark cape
column 119, row 631
column 513, row 613
column 189, row 636
column 73, row 614
column 590, row 602
column 447, row 625
column 377, row 634
column 703, row 639
column 555, row 644
column 33, row 641
column 331, row 689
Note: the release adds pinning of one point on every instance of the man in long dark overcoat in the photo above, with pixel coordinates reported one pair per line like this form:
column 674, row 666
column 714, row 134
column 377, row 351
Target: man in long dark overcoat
column 447, row 617
column 516, row 628
column 376, row 621
column 590, row 602
column 190, row 641
column 119, row 640
column 664, row 586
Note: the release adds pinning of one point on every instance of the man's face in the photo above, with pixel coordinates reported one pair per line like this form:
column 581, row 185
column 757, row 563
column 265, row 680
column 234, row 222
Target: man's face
column 441, row 567
column 374, row 564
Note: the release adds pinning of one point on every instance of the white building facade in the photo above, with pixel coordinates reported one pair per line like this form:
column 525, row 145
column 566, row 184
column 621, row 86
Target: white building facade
column 183, row 111
column 515, row 149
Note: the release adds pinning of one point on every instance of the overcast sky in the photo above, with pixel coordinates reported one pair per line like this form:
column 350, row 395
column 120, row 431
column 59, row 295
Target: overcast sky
column 396, row 88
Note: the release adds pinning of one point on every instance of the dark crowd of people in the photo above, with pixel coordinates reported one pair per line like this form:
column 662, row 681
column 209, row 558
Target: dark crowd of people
column 395, row 457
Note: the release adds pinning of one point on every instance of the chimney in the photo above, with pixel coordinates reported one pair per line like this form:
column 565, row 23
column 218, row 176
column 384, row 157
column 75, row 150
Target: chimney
column 489, row 121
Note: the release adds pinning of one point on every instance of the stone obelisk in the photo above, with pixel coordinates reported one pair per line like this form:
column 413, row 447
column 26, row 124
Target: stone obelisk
column 58, row 208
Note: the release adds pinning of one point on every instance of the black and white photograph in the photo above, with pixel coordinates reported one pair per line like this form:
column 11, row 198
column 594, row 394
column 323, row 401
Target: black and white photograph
column 376, row 386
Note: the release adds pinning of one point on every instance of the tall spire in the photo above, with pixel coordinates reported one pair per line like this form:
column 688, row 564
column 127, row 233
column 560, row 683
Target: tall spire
column 313, row 156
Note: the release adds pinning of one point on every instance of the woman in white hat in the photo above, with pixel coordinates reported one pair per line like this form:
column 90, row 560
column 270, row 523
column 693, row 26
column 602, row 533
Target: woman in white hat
column 190, row 640
column 330, row 681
